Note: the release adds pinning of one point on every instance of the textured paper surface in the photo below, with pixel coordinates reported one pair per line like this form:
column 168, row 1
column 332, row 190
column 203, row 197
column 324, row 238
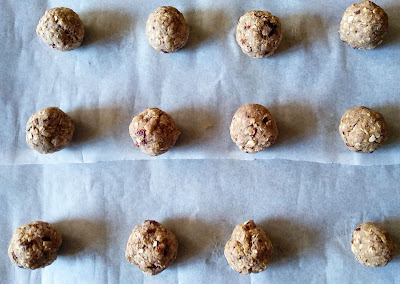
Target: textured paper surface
column 307, row 85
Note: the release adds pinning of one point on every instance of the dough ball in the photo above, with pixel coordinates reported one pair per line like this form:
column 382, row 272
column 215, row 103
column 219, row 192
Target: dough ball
column 61, row 28
column 49, row 130
column 249, row 250
column 154, row 131
column 372, row 245
column 152, row 247
column 166, row 29
column 253, row 128
column 364, row 25
column 258, row 33
column 34, row 245
column 363, row 129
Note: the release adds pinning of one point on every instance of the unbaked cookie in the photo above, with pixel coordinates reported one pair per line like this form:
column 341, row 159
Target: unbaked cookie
column 152, row 247
column 372, row 245
column 259, row 33
column 253, row 128
column 34, row 245
column 166, row 29
column 49, row 130
column 61, row 28
column 363, row 129
column 364, row 25
column 154, row 131
column 249, row 250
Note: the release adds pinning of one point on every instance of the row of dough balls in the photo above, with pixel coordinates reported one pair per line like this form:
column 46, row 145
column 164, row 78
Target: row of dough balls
column 252, row 129
column 258, row 33
column 153, row 247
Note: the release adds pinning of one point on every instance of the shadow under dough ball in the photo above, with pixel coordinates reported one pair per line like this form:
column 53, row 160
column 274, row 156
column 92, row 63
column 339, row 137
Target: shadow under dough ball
column 249, row 250
column 364, row 25
column 258, row 33
column 61, row 28
column 34, row 245
column 166, row 29
column 49, row 130
column 363, row 129
column 154, row 131
column 152, row 247
column 372, row 245
column 253, row 128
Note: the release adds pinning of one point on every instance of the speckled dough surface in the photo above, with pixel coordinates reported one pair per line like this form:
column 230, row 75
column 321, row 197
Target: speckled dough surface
column 166, row 29
column 253, row 128
column 363, row 129
column 154, row 131
column 364, row 25
column 34, row 245
column 61, row 28
column 258, row 33
column 372, row 245
column 49, row 130
column 152, row 247
column 249, row 250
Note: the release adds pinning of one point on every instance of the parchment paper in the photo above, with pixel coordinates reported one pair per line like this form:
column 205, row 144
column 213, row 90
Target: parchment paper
column 307, row 85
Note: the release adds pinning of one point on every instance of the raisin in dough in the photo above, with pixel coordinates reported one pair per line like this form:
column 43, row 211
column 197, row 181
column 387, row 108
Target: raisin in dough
column 34, row 245
column 166, row 29
column 49, row 130
column 152, row 247
column 364, row 25
column 258, row 33
column 154, row 131
column 249, row 250
column 253, row 128
column 372, row 245
column 363, row 129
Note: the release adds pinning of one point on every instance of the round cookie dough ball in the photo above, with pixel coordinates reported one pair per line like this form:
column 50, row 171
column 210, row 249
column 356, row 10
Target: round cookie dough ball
column 34, row 245
column 154, row 131
column 152, row 247
column 61, row 28
column 253, row 128
column 362, row 129
column 258, row 33
column 372, row 245
column 249, row 250
column 364, row 25
column 49, row 130
column 166, row 29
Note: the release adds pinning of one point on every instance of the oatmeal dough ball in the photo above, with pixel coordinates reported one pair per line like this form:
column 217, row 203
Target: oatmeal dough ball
column 364, row 25
column 61, row 28
column 34, row 245
column 372, row 245
column 258, row 33
column 363, row 129
column 166, row 29
column 49, row 130
column 152, row 247
column 154, row 131
column 253, row 128
column 249, row 250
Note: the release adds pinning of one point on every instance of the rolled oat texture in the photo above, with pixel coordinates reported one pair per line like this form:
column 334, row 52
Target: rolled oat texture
column 49, row 130
column 253, row 128
column 166, row 29
column 363, row 129
column 152, row 247
column 34, row 245
column 249, row 250
column 61, row 28
column 372, row 245
column 154, row 131
column 259, row 33
column 364, row 25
